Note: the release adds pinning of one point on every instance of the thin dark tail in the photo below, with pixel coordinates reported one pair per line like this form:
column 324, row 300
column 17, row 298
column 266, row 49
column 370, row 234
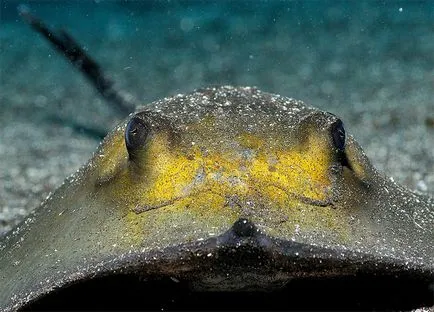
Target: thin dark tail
column 64, row 43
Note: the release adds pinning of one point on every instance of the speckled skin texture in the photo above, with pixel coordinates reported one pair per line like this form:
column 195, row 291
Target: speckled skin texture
column 221, row 169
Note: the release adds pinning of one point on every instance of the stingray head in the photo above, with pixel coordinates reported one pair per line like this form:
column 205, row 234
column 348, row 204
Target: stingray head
column 195, row 178
column 226, row 189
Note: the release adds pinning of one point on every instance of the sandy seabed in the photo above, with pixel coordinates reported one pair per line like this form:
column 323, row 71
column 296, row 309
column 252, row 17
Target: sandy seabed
column 370, row 63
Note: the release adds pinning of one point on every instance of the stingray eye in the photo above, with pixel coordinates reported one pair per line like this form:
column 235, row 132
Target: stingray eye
column 338, row 135
column 136, row 133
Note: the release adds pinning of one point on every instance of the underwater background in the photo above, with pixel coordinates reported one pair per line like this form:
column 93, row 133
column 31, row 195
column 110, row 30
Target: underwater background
column 369, row 62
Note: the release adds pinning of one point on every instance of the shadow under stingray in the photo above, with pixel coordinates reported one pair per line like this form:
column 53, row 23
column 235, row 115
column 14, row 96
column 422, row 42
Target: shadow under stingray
column 130, row 292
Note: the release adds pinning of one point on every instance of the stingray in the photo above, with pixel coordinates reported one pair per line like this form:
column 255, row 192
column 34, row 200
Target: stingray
column 223, row 193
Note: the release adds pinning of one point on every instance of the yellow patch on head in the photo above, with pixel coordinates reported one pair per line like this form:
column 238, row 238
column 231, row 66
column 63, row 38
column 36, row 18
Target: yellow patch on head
column 193, row 190
column 302, row 173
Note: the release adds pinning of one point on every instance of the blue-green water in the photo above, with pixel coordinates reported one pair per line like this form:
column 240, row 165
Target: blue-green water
column 306, row 49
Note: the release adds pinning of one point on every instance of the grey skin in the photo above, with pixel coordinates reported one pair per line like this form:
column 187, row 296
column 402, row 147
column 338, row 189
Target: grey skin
column 232, row 226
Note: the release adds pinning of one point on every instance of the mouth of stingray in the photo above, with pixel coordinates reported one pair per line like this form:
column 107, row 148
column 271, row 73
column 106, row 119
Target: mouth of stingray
column 234, row 200
column 131, row 292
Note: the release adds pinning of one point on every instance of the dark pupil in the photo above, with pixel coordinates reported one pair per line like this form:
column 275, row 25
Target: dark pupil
column 338, row 134
column 135, row 134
